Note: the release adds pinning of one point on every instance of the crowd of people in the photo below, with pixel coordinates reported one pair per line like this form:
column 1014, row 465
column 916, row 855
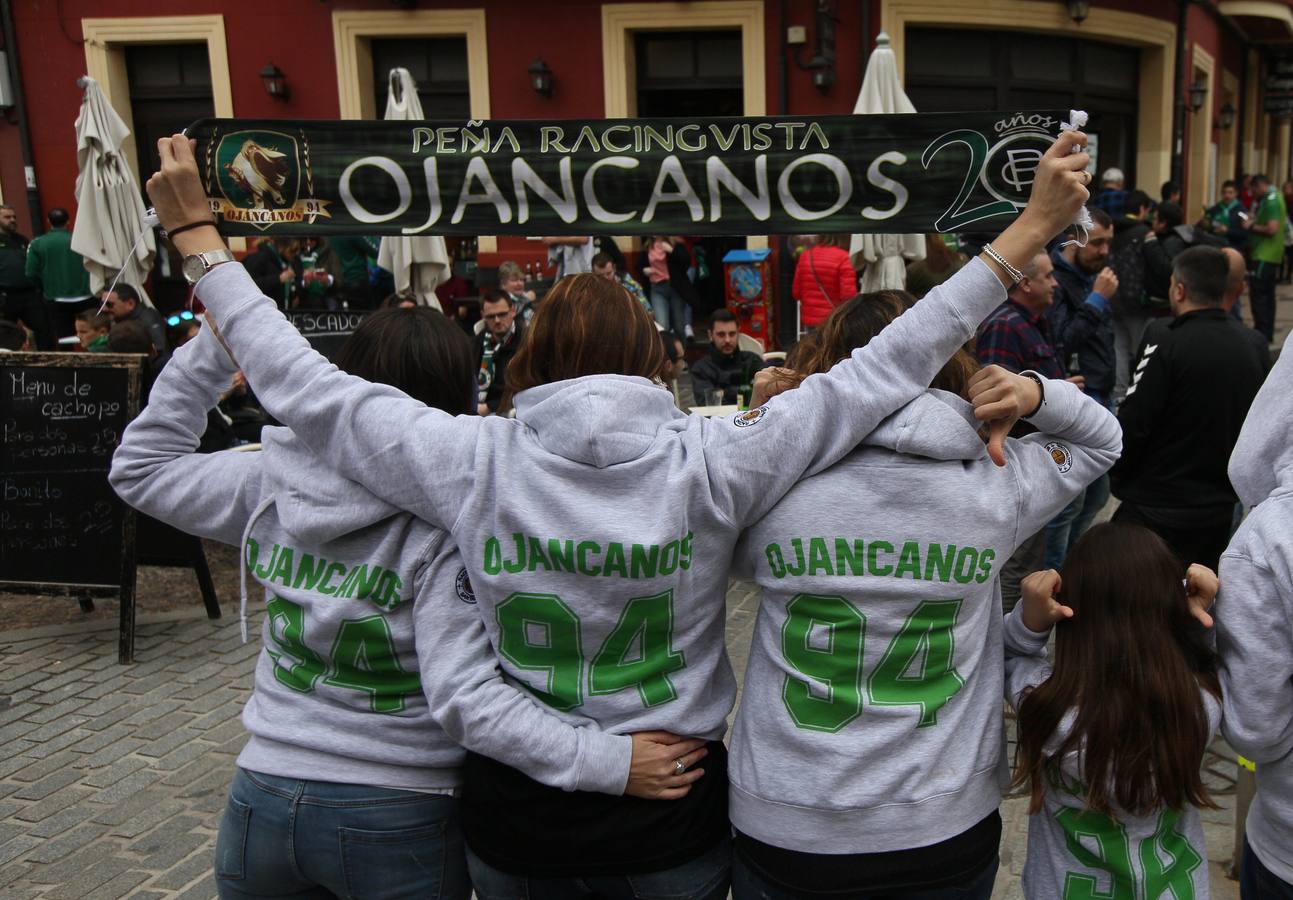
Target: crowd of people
column 495, row 560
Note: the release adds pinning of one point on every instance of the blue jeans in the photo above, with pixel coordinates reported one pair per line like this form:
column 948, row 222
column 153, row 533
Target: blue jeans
column 1256, row 882
column 668, row 308
column 748, row 884
column 1064, row 530
column 281, row 837
column 704, row 878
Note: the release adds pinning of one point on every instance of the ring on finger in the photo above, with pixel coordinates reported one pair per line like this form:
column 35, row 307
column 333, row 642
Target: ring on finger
column 679, row 767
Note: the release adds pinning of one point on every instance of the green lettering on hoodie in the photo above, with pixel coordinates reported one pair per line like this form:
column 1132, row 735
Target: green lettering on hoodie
column 644, row 560
column 909, row 561
column 855, row 557
column 307, row 573
column 614, row 563
column 819, row 562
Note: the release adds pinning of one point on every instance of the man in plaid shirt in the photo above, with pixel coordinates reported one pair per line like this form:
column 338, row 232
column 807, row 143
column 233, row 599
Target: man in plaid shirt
column 1017, row 336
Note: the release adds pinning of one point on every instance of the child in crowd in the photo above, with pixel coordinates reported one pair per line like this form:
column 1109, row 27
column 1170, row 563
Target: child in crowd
column 92, row 329
column 1112, row 735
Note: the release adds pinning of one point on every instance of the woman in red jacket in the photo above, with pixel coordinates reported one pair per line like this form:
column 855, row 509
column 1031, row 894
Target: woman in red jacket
column 824, row 278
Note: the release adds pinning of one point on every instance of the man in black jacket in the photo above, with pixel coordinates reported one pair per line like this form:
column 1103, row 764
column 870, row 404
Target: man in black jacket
column 1196, row 378
column 727, row 366
column 1082, row 329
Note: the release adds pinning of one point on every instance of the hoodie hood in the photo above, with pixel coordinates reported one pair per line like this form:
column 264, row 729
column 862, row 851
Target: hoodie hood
column 1185, row 233
column 312, row 501
column 1262, row 460
column 598, row 420
column 936, row 425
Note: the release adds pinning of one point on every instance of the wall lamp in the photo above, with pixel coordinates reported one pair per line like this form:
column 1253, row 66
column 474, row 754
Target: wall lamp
column 275, row 82
column 1078, row 10
column 822, row 63
column 540, row 77
column 1198, row 94
column 1226, row 116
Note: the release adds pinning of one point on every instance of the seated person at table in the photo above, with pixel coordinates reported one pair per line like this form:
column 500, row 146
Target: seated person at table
column 604, row 265
column 497, row 344
column 92, row 331
column 727, row 366
column 511, row 278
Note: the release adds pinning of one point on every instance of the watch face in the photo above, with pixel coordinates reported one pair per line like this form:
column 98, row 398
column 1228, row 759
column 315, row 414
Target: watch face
column 193, row 268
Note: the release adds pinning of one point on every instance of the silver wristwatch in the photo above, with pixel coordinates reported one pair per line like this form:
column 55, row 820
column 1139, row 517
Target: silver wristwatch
column 198, row 264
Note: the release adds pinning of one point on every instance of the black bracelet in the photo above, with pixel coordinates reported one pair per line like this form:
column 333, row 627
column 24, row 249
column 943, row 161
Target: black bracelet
column 1041, row 390
column 174, row 231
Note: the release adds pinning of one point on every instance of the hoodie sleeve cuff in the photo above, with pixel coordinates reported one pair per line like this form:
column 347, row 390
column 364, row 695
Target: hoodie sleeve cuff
column 1056, row 412
column 1021, row 640
column 227, row 288
column 604, row 761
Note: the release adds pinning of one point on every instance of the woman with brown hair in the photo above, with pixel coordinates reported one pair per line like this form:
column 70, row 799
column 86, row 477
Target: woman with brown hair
column 597, row 527
column 1112, row 735
column 867, row 756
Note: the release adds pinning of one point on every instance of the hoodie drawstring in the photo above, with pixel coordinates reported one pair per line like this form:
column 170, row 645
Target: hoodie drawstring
column 242, row 564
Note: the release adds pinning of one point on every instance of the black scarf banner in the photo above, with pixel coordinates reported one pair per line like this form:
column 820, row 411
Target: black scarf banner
column 909, row 173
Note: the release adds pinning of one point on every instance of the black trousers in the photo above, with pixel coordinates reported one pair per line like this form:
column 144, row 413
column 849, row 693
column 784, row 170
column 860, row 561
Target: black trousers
column 27, row 306
column 1195, row 540
column 1261, row 294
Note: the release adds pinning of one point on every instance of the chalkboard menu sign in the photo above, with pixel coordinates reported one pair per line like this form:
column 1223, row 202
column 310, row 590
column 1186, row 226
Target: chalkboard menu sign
column 62, row 528
column 326, row 330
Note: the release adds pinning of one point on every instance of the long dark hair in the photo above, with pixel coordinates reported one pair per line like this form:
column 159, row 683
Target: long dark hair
column 586, row 325
column 856, row 321
column 1129, row 665
column 418, row 351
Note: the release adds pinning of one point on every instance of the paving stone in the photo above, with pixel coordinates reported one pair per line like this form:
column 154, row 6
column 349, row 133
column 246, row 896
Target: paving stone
column 110, row 775
column 16, row 847
column 120, row 886
column 204, row 889
column 62, row 820
column 55, row 728
column 128, row 786
column 39, row 768
column 157, row 748
column 59, row 800
column 153, row 813
column 42, row 788
column 200, row 863
column 164, row 726
column 170, row 851
column 109, row 754
column 62, row 846
column 183, row 755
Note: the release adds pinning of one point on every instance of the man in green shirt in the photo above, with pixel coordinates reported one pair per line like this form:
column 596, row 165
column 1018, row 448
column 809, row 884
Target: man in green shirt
column 59, row 273
column 1265, row 252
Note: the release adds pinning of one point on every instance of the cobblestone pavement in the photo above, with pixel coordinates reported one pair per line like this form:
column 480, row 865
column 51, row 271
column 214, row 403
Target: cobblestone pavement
column 113, row 777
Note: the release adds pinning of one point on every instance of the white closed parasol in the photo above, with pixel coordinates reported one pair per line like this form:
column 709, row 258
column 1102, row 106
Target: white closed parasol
column 109, row 233
column 884, row 256
column 418, row 263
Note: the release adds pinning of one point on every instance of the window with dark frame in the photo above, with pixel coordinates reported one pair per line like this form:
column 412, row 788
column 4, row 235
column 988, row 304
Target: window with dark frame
column 438, row 66
column 946, row 71
column 689, row 73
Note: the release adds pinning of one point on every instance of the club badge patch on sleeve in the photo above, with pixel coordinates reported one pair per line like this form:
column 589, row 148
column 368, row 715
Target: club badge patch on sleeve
column 1063, row 458
column 463, row 586
column 750, row 417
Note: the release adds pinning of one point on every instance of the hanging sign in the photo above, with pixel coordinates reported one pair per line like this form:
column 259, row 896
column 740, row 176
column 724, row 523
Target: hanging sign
column 785, row 175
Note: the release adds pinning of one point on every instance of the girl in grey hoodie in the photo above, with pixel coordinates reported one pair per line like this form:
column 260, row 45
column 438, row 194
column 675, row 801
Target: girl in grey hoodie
column 347, row 783
column 597, row 527
column 867, row 753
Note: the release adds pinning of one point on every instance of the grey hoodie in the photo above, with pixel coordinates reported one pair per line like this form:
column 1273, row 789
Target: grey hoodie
column 1075, row 849
column 341, row 691
column 598, row 525
column 1254, row 616
column 883, row 566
